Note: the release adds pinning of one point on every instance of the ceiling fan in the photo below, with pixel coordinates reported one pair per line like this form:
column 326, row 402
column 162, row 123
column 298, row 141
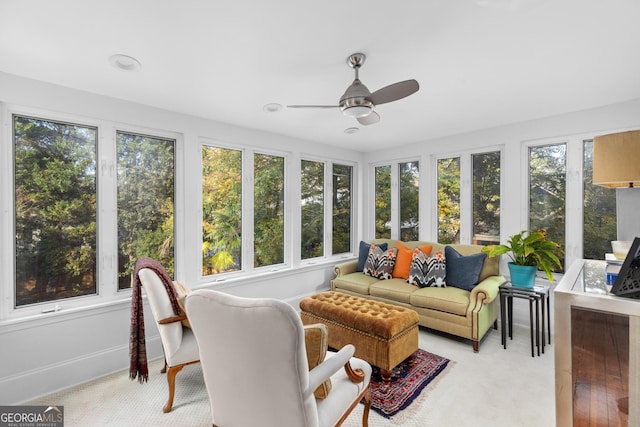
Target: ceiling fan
column 359, row 103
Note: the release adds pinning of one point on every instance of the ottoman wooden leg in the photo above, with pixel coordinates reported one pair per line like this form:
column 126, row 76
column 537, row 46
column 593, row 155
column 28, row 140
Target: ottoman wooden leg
column 386, row 375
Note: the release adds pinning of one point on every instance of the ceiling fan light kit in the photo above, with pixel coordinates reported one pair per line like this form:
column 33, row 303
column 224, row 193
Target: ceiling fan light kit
column 358, row 102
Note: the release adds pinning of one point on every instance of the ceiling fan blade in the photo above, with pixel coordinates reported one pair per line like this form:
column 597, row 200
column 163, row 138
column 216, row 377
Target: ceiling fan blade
column 313, row 106
column 394, row 92
column 370, row 119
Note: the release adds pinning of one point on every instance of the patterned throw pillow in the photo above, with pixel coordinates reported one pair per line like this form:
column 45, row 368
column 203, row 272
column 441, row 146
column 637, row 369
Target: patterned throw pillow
column 380, row 263
column 427, row 271
column 364, row 251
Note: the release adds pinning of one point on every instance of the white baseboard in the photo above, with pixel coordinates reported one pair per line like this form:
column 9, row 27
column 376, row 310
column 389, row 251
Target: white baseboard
column 34, row 384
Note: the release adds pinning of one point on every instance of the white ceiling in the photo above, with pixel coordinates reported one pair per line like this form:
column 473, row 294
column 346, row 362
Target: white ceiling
column 479, row 63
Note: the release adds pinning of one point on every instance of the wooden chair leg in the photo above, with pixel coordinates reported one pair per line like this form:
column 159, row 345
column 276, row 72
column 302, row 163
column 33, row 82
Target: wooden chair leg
column 171, row 380
column 367, row 405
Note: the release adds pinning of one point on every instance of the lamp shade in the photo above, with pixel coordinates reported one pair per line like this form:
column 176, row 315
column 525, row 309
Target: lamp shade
column 616, row 159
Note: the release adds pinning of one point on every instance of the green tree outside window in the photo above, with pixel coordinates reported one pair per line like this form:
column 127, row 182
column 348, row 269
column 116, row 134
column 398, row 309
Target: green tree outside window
column 55, row 210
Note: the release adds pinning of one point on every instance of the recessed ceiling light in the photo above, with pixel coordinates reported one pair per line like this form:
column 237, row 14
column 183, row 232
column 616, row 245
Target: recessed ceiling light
column 351, row 130
column 125, row 62
column 272, row 108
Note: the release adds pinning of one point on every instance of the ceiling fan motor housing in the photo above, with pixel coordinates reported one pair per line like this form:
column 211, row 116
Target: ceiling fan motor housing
column 355, row 102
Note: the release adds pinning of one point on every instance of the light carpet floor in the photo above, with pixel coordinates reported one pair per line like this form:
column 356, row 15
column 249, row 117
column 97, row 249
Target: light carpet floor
column 493, row 388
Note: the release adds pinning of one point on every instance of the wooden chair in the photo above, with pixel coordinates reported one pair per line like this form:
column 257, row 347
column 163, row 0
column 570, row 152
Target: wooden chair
column 178, row 342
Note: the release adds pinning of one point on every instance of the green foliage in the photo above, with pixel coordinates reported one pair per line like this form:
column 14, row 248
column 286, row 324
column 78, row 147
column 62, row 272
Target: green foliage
column 146, row 186
column 341, row 242
column 600, row 221
column 486, row 194
column 530, row 248
column 312, row 209
column 221, row 209
column 268, row 222
column 383, row 202
column 409, row 201
column 449, row 200
column 55, row 216
column 547, row 191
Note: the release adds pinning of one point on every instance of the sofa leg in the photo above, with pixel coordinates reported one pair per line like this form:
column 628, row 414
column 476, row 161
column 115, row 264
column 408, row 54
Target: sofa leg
column 476, row 345
column 495, row 324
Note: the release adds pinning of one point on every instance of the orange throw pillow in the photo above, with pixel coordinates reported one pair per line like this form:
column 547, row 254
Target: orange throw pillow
column 403, row 259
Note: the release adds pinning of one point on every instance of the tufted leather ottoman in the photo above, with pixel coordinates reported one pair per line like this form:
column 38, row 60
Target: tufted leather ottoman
column 384, row 335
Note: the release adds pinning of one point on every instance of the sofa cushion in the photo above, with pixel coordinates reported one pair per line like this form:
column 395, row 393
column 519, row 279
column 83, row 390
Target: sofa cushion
column 403, row 260
column 427, row 271
column 380, row 263
column 449, row 299
column 363, row 252
column 394, row 289
column 355, row 282
column 463, row 271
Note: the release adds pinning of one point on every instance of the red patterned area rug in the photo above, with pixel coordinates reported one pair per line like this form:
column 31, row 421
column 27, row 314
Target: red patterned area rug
column 407, row 381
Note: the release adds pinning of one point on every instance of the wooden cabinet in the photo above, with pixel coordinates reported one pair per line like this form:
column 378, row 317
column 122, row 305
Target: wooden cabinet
column 597, row 351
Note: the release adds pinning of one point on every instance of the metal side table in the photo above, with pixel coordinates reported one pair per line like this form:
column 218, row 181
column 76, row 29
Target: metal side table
column 538, row 296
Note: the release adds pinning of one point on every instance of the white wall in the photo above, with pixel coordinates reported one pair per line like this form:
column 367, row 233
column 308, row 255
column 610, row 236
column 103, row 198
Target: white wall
column 50, row 352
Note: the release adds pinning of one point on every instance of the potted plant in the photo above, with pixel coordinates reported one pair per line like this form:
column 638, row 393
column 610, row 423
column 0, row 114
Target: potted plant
column 529, row 251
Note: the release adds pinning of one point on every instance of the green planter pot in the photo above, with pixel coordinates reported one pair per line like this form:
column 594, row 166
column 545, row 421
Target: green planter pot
column 523, row 276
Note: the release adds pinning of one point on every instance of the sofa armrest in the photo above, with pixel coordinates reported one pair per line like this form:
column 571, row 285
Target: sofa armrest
column 486, row 291
column 346, row 268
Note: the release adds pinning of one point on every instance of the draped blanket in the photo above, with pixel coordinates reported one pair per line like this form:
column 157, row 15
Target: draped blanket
column 138, row 367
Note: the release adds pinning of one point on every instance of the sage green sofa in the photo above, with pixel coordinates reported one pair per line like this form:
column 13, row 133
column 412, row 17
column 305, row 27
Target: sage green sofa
column 467, row 314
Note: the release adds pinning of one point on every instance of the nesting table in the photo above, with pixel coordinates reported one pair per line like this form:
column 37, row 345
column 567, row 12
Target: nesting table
column 538, row 298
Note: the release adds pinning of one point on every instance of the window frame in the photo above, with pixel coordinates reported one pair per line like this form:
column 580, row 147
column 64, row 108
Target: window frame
column 107, row 291
column 395, row 217
column 466, row 189
column 327, row 245
column 573, row 177
column 325, row 236
column 250, row 181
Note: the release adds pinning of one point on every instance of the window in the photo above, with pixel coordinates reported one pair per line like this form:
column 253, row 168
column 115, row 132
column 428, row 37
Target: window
column 341, row 242
column 486, row 198
column 449, row 200
column 316, row 215
column 547, row 190
column 312, row 209
column 409, row 201
column 599, row 214
column 469, row 198
column 146, row 176
column 383, row 202
column 268, row 221
column 221, row 210
column 397, row 201
column 55, row 210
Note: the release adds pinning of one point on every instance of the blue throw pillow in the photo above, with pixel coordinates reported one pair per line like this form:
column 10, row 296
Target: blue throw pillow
column 463, row 271
column 364, row 251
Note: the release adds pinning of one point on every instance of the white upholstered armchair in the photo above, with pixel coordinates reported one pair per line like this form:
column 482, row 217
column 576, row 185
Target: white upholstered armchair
column 178, row 342
column 256, row 369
